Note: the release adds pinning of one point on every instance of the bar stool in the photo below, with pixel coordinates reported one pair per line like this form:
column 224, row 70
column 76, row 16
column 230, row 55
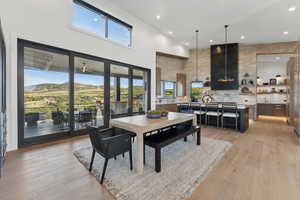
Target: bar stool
column 230, row 111
column 183, row 108
column 212, row 110
column 199, row 111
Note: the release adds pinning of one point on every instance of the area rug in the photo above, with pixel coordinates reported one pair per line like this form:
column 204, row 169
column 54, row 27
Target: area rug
column 184, row 166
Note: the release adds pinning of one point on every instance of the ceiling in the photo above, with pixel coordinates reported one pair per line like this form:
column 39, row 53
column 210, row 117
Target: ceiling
column 260, row 21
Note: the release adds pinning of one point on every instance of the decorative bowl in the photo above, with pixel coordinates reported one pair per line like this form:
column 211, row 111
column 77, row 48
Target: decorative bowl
column 153, row 116
column 164, row 114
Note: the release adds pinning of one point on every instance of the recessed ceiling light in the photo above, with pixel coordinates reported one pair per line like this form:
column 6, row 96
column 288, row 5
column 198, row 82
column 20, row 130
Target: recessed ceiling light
column 158, row 17
column 277, row 58
column 211, row 41
column 187, row 44
column 242, row 37
column 96, row 19
column 170, row 32
column 292, row 8
column 285, row 32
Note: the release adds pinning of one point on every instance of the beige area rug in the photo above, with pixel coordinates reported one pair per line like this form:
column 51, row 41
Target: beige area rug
column 184, row 166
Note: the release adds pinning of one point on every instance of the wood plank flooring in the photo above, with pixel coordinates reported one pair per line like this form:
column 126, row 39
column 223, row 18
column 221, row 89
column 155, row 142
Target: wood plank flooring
column 262, row 164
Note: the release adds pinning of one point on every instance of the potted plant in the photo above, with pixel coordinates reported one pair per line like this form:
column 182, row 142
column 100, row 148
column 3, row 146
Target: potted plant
column 153, row 114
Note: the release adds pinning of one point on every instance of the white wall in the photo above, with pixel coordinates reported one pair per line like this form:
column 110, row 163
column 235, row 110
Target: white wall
column 269, row 70
column 48, row 22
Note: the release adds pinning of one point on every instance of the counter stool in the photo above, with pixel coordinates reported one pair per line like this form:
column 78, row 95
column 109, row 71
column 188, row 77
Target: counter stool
column 230, row 111
column 200, row 112
column 212, row 110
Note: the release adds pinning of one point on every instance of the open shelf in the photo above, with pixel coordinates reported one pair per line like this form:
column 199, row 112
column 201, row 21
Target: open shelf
column 272, row 85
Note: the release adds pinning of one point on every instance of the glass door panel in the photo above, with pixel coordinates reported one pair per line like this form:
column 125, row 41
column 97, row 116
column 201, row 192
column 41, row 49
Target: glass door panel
column 46, row 92
column 88, row 93
column 119, row 94
column 139, row 91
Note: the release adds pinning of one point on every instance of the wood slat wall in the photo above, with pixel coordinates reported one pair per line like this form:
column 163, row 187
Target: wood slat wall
column 158, row 79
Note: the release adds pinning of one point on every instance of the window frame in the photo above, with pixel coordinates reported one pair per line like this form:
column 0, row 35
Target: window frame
column 191, row 86
column 107, row 17
column 163, row 83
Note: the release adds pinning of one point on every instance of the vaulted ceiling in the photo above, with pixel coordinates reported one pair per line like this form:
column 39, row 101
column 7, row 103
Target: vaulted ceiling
column 259, row 21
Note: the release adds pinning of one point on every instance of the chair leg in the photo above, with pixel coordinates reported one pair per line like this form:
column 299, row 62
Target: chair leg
column 144, row 154
column 207, row 120
column 115, row 157
column 199, row 136
column 222, row 121
column 104, row 170
column 185, row 139
column 92, row 160
column 130, row 158
column 123, row 155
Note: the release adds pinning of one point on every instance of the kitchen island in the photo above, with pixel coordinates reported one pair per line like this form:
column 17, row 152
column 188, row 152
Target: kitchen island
column 242, row 110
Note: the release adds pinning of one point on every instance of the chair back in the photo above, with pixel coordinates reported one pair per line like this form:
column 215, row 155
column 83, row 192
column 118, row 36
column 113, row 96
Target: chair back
column 229, row 107
column 95, row 137
column 195, row 106
column 110, row 142
column 212, row 107
column 85, row 116
column 184, row 107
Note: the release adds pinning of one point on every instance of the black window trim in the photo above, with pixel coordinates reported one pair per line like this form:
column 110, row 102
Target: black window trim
column 97, row 10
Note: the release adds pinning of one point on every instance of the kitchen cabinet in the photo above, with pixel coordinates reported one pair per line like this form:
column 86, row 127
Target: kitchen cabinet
column 168, row 107
column 272, row 109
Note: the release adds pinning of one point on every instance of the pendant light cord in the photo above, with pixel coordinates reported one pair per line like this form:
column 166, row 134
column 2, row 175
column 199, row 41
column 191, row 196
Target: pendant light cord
column 226, row 41
column 197, row 38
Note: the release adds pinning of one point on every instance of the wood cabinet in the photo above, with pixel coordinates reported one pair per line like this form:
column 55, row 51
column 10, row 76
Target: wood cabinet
column 272, row 109
column 168, row 107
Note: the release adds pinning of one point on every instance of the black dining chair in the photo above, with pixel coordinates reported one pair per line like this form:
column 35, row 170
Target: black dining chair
column 110, row 143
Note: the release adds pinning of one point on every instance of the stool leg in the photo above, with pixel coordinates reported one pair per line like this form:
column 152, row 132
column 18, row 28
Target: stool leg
column 222, row 121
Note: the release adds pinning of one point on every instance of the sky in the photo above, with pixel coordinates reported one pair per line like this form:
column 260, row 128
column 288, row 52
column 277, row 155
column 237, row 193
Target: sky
column 35, row 77
column 90, row 21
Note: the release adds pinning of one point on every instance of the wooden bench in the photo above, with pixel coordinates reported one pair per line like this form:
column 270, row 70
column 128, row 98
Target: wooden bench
column 169, row 136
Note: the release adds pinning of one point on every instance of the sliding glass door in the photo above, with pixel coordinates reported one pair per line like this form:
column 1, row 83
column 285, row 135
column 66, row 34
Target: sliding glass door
column 139, row 91
column 119, row 97
column 88, row 93
column 46, row 92
column 62, row 93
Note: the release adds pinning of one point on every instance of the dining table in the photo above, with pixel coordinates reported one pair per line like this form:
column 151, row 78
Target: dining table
column 141, row 124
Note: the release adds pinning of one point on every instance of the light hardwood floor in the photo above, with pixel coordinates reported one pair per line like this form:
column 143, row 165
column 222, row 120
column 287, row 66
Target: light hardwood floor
column 263, row 164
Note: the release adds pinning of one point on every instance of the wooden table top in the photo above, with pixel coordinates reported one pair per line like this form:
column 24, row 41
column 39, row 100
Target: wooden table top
column 142, row 124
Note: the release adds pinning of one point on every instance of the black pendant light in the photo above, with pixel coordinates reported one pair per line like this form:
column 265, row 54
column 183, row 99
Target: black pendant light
column 226, row 79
